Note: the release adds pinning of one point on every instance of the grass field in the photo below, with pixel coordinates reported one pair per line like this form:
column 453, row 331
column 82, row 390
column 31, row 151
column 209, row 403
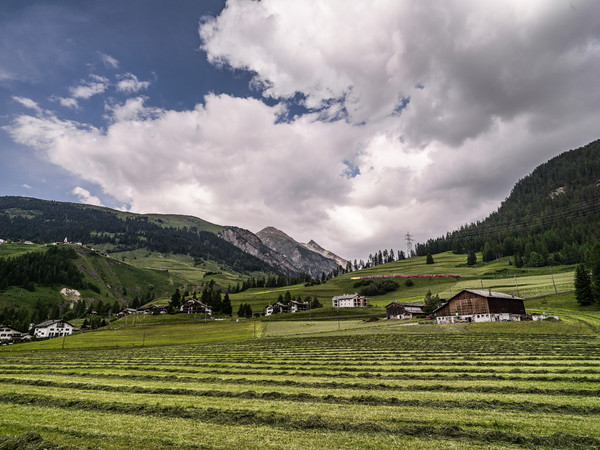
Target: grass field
column 319, row 380
column 497, row 385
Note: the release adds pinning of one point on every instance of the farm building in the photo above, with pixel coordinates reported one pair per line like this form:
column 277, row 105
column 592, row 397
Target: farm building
column 53, row 328
column 292, row 307
column 194, row 306
column 397, row 310
column 10, row 334
column 349, row 301
column 152, row 309
column 480, row 306
column 277, row 308
column 299, row 306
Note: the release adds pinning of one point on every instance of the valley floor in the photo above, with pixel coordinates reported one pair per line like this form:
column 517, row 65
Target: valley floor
column 380, row 385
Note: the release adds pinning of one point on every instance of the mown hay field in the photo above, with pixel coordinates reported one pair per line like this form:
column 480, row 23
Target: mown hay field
column 404, row 387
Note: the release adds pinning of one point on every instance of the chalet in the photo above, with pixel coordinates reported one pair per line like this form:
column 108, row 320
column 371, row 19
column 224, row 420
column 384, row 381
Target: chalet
column 195, row 306
column 126, row 312
column 10, row 334
column 153, row 309
column 53, row 328
column 349, row 301
column 480, row 306
column 277, row 308
column 397, row 310
column 299, row 306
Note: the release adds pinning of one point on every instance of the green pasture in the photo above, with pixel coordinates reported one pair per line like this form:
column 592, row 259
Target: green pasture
column 181, row 267
column 380, row 384
column 17, row 249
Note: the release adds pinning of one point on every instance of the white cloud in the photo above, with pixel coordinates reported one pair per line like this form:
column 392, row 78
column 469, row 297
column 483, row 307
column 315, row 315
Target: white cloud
column 90, row 88
column 67, row 102
column 26, row 186
column 425, row 116
column 28, row 103
column 109, row 61
column 86, row 197
column 129, row 83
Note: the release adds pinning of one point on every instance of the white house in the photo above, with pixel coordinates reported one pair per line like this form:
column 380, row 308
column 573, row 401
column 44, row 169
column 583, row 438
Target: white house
column 53, row 328
column 9, row 334
column 349, row 301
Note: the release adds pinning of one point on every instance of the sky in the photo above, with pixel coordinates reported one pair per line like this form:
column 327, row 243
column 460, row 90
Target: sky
column 349, row 123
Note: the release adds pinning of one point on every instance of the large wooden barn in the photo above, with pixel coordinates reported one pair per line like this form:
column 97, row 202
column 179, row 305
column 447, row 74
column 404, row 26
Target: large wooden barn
column 480, row 306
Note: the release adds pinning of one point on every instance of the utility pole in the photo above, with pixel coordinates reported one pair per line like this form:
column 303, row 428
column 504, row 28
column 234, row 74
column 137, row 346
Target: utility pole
column 552, row 275
column 518, row 295
column 409, row 246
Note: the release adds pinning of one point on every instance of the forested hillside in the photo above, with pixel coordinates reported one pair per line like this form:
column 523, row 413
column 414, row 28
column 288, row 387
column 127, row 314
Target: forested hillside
column 48, row 221
column 551, row 216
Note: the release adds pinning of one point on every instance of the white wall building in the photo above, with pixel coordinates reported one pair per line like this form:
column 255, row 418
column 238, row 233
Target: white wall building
column 53, row 328
column 349, row 301
column 9, row 334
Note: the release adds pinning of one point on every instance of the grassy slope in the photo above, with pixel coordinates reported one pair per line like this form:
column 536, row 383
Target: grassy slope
column 109, row 274
column 497, row 275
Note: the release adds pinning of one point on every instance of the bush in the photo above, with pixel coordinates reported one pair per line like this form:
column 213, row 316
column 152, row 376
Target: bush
column 379, row 287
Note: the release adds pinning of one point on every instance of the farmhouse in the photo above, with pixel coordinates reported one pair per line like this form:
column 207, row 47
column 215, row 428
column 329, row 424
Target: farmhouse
column 299, row 306
column 480, row 306
column 277, row 308
column 349, row 301
column 53, row 328
column 10, row 334
column 195, row 306
column 152, row 309
column 397, row 310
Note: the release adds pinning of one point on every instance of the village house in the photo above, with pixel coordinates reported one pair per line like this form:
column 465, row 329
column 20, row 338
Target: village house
column 53, row 328
column 296, row 306
column 10, row 334
column 277, row 308
column 153, row 309
column 397, row 310
column 349, row 301
column 195, row 306
column 480, row 306
column 126, row 312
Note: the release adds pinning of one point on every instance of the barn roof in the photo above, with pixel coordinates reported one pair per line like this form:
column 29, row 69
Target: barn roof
column 486, row 294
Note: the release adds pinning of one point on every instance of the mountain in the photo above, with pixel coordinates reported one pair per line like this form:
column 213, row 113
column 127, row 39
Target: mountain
column 312, row 245
column 45, row 221
column 251, row 243
column 300, row 256
column 24, row 218
column 551, row 216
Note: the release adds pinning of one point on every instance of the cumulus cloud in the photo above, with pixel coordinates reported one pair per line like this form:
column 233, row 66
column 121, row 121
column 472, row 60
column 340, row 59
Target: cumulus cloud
column 67, row 102
column 86, row 197
column 87, row 89
column 421, row 116
column 129, row 83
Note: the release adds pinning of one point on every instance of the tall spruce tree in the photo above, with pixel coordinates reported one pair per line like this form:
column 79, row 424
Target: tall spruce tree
column 227, row 309
column 583, row 286
column 471, row 258
column 595, row 266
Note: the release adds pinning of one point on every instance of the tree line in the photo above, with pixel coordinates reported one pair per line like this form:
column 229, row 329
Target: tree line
column 550, row 217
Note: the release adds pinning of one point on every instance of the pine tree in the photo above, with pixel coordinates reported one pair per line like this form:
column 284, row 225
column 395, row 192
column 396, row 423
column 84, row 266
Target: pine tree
column 429, row 259
column 471, row 258
column 488, row 253
column 595, row 266
column 583, row 286
column 227, row 309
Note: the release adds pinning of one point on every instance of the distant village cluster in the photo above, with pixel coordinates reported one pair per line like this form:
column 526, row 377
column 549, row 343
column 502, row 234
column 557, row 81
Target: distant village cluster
column 467, row 306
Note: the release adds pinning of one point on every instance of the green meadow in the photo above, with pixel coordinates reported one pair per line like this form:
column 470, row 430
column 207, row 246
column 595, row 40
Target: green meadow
column 309, row 384
column 321, row 378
